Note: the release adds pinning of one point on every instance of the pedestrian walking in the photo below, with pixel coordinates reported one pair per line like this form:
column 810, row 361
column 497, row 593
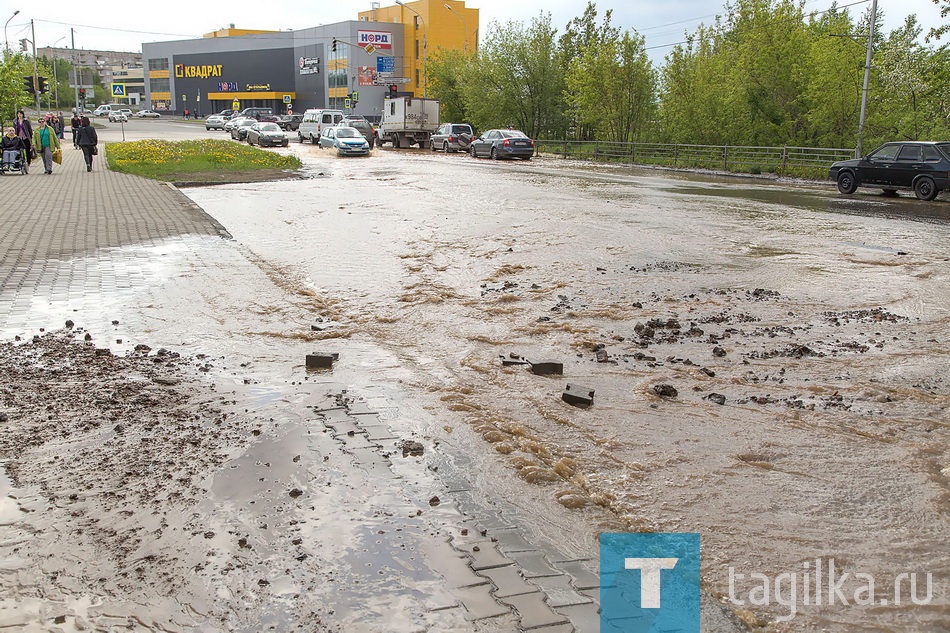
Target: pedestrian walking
column 45, row 143
column 74, row 124
column 24, row 129
column 88, row 141
column 60, row 126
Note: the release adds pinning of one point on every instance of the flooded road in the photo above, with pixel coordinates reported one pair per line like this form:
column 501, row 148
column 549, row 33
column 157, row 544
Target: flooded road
column 804, row 335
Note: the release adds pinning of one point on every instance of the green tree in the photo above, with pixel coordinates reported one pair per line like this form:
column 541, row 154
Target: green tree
column 13, row 94
column 939, row 31
column 516, row 81
column 448, row 70
column 612, row 87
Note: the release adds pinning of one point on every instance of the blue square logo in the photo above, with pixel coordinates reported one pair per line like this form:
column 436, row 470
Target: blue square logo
column 649, row 583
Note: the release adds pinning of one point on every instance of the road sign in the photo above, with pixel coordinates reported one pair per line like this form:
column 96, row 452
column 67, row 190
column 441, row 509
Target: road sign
column 370, row 49
column 385, row 81
column 286, row 98
column 118, row 90
column 385, row 65
column 347, row 103
column 235, row 105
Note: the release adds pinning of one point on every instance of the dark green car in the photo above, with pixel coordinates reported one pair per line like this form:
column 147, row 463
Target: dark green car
column 923, row 166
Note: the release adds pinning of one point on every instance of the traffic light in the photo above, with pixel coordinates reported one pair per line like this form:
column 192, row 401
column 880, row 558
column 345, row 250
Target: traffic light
column 392, row 91
column 82, row 93
column 44, row 85
column 28, row 85
column 355, row 96
column 23, row 46
column 333, row 47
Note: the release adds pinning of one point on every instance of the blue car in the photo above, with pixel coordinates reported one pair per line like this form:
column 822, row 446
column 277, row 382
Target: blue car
column 348, row 141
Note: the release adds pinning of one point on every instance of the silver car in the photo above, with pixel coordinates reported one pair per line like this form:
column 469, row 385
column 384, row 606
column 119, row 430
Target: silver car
column 452, row 137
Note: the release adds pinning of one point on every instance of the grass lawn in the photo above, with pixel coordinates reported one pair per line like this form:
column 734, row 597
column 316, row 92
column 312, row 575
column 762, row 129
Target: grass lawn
column 201, row 161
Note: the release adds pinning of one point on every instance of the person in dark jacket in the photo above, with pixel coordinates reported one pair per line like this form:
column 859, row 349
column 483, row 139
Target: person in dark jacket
column 88, row 139
column 13, row 147
column 24, row 129
column 74, row 124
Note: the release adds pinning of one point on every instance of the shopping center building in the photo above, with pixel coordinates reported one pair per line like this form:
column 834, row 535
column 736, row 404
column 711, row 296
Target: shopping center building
column 302, row 69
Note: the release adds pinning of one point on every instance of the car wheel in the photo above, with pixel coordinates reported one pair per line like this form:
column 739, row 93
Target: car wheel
column 471, row 150
column 432, row 146
column 494, row 154
column 312, row 142
column 299, row 137
column 847, row 183
column 248, row 139
column 445, row 147
column 925, row 189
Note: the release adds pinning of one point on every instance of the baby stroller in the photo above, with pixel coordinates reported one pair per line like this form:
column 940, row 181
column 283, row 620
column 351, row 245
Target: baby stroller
column 20, row 164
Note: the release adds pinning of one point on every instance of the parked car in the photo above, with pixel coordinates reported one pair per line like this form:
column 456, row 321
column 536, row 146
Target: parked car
column 240, row 129
column 215, row 122
column 919, row 165
column 118, row 116
column 148, row 114
column 290, row 122
column 265, row 134
column 127, row 112
column 347, row 141
column 315, row 121
column 364, row 126
column 227, row 114
column 230, row 123
column 452, row 137
column 257, row 113
column 497, row 144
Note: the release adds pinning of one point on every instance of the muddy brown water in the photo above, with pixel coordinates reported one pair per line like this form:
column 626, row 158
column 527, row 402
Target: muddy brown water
column 820, row 321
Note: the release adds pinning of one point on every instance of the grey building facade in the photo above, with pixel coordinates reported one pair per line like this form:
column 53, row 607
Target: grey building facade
column 283, row 70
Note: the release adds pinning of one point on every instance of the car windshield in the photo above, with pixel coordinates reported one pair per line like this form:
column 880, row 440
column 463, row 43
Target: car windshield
column 461, row 129
column 347, row 132
column 270, row 127
column 360, row 125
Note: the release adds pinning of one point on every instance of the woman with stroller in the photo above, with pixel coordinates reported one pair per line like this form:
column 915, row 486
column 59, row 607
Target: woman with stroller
column 13, row 149
column 88, row 139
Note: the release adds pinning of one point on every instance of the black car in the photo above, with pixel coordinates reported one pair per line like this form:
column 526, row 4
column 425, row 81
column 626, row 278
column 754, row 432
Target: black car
column 923, row 166
column 497, row 144
column 265, row 134
column 289, row 122
column 364, row 126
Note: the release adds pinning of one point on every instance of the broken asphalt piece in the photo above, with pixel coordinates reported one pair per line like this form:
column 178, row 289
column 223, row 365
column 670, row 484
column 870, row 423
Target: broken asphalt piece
column 601, row 355
column 166, row 380
column 577, row 395
column 547, row 368
column 665, row 391
column 320, row 360
column 718, row 398
column 410, row 447
column 718, row 352
column 434, row 501
column 511, row 359
column 323, row 325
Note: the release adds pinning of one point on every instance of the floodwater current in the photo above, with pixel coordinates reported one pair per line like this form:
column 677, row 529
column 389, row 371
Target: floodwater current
column 804, row 333
column 770, row 366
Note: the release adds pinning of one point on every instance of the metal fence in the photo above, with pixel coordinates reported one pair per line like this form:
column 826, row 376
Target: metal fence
column 798, row 161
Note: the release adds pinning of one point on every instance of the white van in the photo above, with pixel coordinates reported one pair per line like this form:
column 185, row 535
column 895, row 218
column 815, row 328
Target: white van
column 311, row 127
column 106, row 109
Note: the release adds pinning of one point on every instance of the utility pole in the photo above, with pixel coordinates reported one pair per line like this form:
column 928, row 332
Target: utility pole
column 867, row 76
column 72, row 35
column 36, row 80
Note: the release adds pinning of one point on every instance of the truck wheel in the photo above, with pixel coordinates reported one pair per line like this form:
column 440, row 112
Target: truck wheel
column 395, row 138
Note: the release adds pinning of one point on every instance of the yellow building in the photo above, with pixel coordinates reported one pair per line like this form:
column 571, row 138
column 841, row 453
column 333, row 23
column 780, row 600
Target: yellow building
column 429, row 25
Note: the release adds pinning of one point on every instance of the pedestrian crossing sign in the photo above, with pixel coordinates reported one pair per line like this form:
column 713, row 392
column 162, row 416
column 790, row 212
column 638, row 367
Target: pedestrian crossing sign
column 118, row 90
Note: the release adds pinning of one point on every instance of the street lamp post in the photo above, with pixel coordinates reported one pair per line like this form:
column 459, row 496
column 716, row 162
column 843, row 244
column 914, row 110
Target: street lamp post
column 464, row 26
column 6, row 41
column 55, row 87
column 425, row 46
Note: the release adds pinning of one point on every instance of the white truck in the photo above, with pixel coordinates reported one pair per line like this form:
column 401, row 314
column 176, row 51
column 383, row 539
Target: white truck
column 407, row 121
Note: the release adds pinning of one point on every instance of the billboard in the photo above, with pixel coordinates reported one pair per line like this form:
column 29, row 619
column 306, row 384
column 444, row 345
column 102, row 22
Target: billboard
column 378, row 39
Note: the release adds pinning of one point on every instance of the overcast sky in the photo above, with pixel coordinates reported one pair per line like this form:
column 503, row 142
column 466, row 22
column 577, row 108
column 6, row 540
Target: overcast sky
column 123, row 26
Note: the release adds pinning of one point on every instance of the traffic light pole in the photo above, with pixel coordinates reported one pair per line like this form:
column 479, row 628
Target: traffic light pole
column 36, row 80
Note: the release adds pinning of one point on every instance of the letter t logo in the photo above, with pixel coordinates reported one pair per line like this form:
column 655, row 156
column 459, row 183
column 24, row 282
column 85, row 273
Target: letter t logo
column 650, row 578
